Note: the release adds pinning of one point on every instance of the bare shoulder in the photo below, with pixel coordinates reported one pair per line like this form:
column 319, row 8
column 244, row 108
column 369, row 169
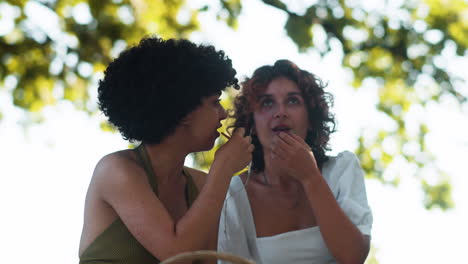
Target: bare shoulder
column 115, row 161
column 117, row 168
column 115, row 175
column 198, row 176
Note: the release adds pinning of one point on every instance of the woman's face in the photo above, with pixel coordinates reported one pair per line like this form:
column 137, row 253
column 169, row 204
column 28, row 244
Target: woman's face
column 204, row 122
column 281, row 107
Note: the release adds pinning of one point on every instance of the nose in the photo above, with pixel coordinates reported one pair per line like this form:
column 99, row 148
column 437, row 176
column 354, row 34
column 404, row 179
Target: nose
column 281, row 111
column 223, row 113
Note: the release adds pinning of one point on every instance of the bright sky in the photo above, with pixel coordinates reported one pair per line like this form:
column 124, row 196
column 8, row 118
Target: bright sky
column 46, row 168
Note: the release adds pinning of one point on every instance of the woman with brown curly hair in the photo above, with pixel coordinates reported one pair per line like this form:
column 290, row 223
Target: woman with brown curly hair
column 296, row 204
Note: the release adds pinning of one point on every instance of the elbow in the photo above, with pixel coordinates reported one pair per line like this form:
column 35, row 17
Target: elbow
column 358, row 255
column 353, row 260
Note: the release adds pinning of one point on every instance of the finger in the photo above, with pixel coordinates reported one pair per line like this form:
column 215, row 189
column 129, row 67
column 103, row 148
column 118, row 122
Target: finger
column 297, row 138
column 289, row 143
column 286, row 138
column 278, row 143
column 251, row 148
column 272, row 155
column 285, row 146
column 278, row 152
column 248, row 139
column 276, row 155
column 291, row 138
column 239, row 131
column 278, row 159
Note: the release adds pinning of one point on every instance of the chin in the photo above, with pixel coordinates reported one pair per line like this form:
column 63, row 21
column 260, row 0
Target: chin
column 206, row 147
column 209, row 147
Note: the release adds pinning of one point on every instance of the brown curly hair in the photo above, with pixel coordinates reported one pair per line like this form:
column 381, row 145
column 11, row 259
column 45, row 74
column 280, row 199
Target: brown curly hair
column 318, row 104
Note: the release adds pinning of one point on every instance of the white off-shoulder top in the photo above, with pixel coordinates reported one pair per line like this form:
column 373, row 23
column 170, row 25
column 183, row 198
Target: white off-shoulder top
column 237, row 233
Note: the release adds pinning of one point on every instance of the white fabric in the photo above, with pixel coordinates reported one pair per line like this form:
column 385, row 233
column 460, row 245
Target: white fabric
column 237, row 233
column 300, row 246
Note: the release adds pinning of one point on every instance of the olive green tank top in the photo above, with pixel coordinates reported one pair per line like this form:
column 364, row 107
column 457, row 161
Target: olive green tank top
column 116, row 244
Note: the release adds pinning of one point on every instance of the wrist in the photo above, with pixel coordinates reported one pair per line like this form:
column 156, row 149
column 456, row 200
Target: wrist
column 312, row 181
column 219, row 169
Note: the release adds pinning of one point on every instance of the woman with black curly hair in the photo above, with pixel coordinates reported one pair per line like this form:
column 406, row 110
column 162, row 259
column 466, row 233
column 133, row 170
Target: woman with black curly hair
column 296, row 205
column 143, row 205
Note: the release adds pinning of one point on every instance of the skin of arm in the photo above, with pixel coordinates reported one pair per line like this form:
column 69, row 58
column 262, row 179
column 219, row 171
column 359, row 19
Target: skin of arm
column 199, row 178
column 125, row 188
column 343, row 238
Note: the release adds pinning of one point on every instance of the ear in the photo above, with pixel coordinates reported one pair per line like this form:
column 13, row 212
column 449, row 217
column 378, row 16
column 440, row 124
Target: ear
column 187, row 120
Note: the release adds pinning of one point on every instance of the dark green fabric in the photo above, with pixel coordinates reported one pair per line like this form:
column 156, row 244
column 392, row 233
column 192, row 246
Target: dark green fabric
column 116, row 244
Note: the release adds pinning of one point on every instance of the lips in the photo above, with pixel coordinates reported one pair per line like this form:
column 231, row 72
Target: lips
column 216, row 131
column 280, row 128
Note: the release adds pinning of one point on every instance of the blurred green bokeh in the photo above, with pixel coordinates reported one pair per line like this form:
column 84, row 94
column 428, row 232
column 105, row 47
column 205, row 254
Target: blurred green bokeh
column 397, row 50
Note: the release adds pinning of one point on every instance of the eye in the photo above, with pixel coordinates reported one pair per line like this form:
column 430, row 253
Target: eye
column 293, row 100
column 266, row 103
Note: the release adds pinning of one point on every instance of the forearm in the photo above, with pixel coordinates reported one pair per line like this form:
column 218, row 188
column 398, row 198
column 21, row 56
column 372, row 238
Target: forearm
column 343, row 238
column 198, row 226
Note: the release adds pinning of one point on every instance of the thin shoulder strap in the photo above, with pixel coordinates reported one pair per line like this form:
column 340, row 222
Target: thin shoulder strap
column 191, row 188
column 143, row 156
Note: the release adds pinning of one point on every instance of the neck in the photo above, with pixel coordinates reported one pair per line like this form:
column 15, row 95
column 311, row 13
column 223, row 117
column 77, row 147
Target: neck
column 167, row 159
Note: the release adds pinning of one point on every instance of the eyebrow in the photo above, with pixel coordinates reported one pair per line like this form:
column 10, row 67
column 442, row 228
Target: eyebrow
column 270, row 95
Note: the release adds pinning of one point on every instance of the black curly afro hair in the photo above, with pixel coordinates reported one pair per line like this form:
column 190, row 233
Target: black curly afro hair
column 318, row 103
column 152, row 86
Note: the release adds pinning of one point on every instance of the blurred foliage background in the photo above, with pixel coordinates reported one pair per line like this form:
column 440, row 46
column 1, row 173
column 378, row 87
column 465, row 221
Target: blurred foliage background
column 403, row 52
